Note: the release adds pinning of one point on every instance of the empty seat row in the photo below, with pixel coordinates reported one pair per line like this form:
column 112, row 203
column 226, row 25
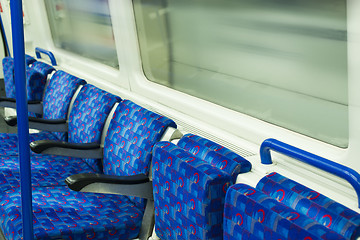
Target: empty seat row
column 91, row 182
column 58, row 211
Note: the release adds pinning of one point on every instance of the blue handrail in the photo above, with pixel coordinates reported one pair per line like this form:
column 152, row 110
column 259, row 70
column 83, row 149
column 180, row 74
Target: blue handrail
column 38, row 52
column 22, row 114
column 339, row 170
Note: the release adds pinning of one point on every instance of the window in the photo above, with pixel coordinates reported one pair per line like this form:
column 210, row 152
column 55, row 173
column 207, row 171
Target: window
column 83, row 27
column 281, row 61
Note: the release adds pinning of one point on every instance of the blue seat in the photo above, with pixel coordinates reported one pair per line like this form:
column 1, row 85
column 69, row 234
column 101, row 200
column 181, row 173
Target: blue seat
column 90, row 109
column 62, row 213
column 33, row 78
column 58, row 94
column 86, row 121
column 190, row 181
column 43, row 68
column 284, row 209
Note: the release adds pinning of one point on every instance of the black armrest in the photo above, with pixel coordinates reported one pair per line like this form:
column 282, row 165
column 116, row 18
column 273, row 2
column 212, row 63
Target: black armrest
column 79, row 181
column 135, row 185
column 52, row 125
column 13, row 100
column 47, row 121
column 11, row 120
column 80, row 150
column 56, row 125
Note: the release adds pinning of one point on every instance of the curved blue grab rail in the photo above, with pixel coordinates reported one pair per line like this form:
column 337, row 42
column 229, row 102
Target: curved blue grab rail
column 337, row 169
column 22, row 114
column 38, row 52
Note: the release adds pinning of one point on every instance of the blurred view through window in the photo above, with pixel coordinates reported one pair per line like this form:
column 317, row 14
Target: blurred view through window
column 281, row 61
column 83, row 27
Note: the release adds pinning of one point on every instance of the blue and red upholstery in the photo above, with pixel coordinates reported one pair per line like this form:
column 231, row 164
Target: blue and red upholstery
column 35, row 84
column 215, row 154
column 8, row 68
column 51, row 171
column 33, row 80
column 87, row 118
column 58, row 94
column 29, row 60
column 190, row 182
column 43, row 68
column 60, row 213
column 314, row 205
column 280, row 208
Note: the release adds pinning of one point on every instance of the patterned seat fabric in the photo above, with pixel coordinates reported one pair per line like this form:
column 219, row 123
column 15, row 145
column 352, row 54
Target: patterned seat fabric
column 87, row 118
column 43, row 68
column 190, row 181
column 48, row 171
column 35, row 84
column 280, row 208
column 215, row 154
column 314, row 205
column 58, row 94
column 8, row 69
column 29, row 60
column 60, row 213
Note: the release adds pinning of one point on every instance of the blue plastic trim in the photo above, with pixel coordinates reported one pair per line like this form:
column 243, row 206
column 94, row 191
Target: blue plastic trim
column 339, row 170
column 22, row 114
column 5, row 38
column 38, row 52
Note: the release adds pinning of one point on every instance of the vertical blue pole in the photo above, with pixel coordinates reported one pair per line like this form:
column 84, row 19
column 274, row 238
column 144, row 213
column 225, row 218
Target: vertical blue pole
column 22, row 115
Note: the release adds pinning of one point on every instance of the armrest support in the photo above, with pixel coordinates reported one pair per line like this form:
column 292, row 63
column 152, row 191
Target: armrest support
column 34, row 106
column 135, row 185
column 52, row 125
column 80, row 150
column 11, row 120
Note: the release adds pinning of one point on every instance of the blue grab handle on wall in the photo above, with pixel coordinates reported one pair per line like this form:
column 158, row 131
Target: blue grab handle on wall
column 38, row 52
column 334, row 168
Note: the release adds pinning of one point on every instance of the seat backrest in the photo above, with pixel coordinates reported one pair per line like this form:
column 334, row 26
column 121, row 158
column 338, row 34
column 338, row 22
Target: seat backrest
column 190, row 181
column 43, row 68
column 88, row 116
column 8, row 69
column 314, row 205
column 132, row 133
column 58, row 93
column 215, row 154
column 35, row 84
column 29, row 59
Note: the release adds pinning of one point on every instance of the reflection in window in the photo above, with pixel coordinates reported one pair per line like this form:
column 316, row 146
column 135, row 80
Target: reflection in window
column 281, row 61
column 83, row 27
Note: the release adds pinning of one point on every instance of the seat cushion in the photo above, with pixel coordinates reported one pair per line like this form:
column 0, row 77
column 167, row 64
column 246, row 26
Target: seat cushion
column 46, row 170
column 59, row 213
column 9, row 141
